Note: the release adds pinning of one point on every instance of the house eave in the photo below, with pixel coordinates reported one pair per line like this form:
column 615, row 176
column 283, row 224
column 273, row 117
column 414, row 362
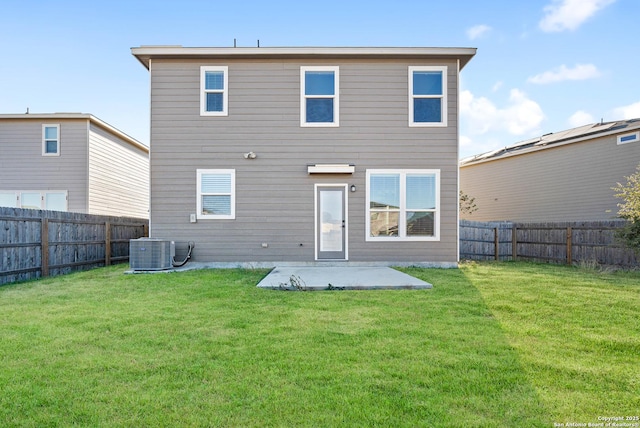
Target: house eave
column 541, row 145
column 77, row 116
column 144, row 54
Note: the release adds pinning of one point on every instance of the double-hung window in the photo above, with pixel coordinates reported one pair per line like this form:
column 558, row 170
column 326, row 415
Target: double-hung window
column 214, row 90
column 403, row 205
column 427, row 96
column 216, row 194
column 50, row 140
column 319, row 96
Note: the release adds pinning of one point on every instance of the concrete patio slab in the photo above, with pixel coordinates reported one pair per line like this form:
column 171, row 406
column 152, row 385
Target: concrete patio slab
column 341, row 278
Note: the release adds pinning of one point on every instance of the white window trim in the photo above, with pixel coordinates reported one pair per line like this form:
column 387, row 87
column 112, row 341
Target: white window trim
column 335, row 97
column 199, row 214
column 443, row 97
column 203, row 91
column 44, row 140
column 636, row 138
column 403, row 209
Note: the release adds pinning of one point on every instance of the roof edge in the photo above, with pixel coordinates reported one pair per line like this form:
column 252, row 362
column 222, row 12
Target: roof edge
column 497, row 154
column 145, row 53
column 82, row 116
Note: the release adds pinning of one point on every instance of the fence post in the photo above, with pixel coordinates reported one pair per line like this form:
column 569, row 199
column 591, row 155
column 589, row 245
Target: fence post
column 44, row 246
column 569, row 246
column 497, row 243
column 107, row 243
column 514, row 243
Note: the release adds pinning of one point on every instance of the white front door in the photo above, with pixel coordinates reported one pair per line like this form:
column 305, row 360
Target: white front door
column 331, row 222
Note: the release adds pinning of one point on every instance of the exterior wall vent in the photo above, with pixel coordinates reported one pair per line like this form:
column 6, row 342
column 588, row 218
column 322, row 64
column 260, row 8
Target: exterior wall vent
column 151, row 254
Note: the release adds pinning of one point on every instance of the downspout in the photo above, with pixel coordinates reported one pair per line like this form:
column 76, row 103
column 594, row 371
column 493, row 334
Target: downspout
column 458, row 161
column 150, row 137
column 87, row 172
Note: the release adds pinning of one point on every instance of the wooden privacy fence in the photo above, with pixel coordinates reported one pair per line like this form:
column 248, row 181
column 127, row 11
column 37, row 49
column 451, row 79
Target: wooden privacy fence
column 35, row 243
column 559, row 242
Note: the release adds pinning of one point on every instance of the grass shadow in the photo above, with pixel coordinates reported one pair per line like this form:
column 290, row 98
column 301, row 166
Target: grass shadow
column 575, row 330
column 488, row 371
column 208, row 348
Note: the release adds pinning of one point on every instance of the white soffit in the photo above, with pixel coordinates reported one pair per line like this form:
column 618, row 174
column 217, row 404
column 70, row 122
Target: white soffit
column 331, row 168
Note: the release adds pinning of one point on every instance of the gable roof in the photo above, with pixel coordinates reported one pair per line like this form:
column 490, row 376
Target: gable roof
column 546, row 141
column 144, row 54
column 83, row 116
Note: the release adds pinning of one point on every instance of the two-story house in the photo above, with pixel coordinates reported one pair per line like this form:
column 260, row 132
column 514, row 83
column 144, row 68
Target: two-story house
column 72, row 162
column 560, row 176
column 306, row 155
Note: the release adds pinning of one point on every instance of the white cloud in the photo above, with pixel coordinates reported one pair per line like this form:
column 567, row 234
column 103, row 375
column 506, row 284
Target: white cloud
column 465, row 141
column 521, row 116
column 497, row 86
column 477, row 31
column 562, row 73
column 570, row 14
column 632, row 111
column 580, row 118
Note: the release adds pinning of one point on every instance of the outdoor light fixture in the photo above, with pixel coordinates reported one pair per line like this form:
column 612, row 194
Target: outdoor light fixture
column 353, row 188
column 250, row 155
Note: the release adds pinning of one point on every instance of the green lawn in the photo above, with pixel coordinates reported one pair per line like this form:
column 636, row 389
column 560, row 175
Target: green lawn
column 491, row 345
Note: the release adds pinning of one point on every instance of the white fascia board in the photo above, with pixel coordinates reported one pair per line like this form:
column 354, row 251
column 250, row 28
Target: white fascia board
column 145, row 53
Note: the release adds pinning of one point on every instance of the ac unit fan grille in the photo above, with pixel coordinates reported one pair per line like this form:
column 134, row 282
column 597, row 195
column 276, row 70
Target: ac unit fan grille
column 151, row 254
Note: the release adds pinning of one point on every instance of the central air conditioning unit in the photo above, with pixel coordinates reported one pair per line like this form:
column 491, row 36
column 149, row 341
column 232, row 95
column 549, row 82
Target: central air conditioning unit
column 151, row 254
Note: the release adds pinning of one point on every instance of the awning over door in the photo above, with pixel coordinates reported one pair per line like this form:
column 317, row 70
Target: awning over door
column 331, row 168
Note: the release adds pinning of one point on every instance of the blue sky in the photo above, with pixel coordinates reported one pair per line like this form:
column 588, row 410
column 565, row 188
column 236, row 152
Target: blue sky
column 542, row 65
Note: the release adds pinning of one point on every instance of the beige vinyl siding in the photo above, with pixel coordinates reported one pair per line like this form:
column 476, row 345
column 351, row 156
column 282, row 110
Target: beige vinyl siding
column 22, row 166
column 570, row 182
column 275, row 195
column 118, row 176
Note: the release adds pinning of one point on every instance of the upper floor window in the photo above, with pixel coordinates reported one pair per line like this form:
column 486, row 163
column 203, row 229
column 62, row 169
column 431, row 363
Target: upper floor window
column 319, row 99
column 216, row 194
column 214, row 92
column 427, row 96
column 50, row 140
column 629, row 138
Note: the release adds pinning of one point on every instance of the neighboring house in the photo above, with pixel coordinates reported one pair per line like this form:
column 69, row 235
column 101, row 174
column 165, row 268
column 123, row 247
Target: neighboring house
column 306, row 155
column 72, row 162
column 565, row 176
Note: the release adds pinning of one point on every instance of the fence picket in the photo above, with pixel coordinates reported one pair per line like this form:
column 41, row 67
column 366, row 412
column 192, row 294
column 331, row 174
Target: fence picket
column 556, row 242
column 36, row 243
